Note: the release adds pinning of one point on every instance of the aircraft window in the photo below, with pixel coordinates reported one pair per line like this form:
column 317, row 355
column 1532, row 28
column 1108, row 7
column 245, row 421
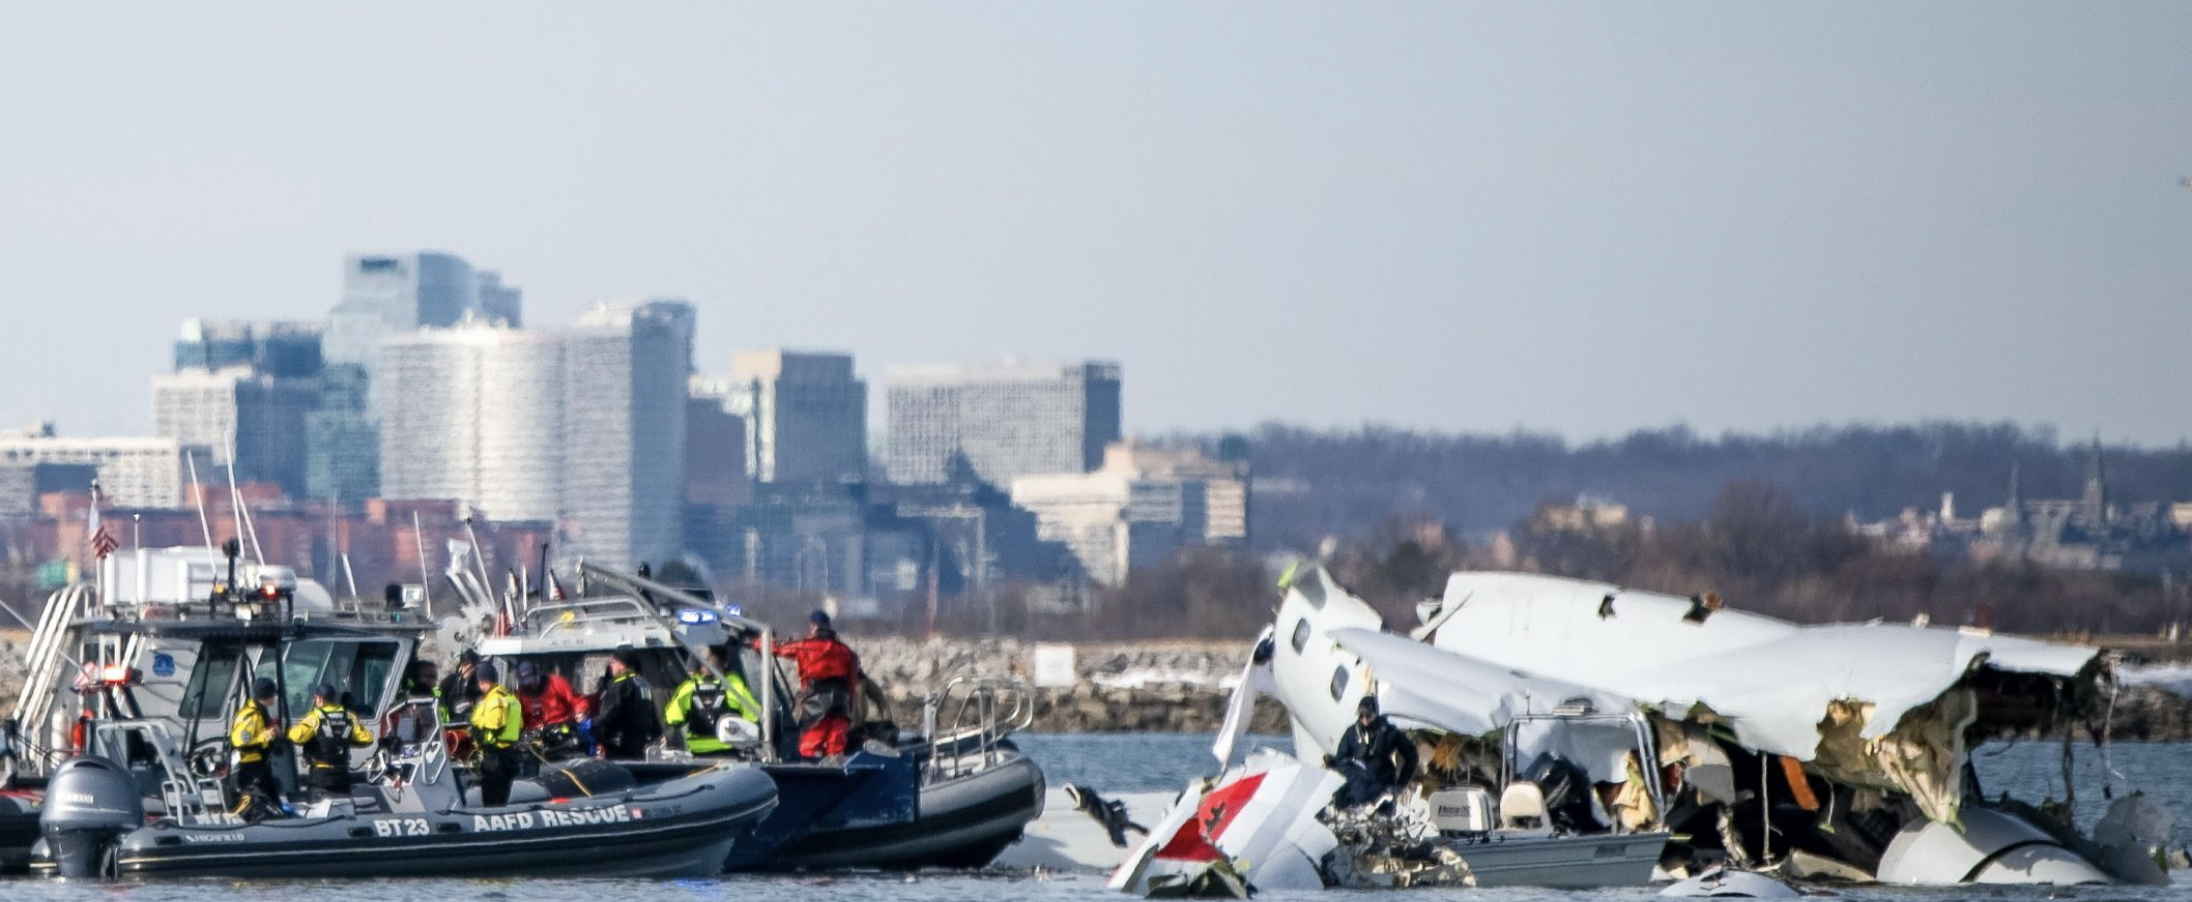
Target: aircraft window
column 1339, row 682
column 1301, row 634
column 1312, row 591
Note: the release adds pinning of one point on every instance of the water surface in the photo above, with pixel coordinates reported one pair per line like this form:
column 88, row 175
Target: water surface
column 1149, row 762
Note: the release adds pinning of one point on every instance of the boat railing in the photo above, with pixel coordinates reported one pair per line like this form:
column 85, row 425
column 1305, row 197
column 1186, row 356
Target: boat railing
column 983, row 711
column 1578, row 713
column 417, row 753
column 46, row 663
column 148, row 748
column 578, row 613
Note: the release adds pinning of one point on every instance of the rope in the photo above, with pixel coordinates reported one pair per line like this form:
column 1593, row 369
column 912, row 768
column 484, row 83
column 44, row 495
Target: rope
column 534, row 749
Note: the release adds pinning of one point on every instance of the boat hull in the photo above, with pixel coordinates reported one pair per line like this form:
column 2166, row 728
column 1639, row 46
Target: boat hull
column 684, row 828
column 964, row 822
column 19, row 807
column 17, row 832
column 1564, row 862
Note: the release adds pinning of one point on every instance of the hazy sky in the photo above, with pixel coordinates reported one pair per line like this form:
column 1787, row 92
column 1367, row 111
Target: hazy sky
column 1581, row 218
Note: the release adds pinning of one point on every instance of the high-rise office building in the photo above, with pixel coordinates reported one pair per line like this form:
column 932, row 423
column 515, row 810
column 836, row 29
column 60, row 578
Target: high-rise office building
column 626, row 368
column 480, row 422
column 806, row 415
column 391, row 293
column 246, row 387
column 715, row 454
column 997, row 421
column 342, row 441
column 382, row 295
column 252, row 418
column 1140, row 506
column 283, row 350
column 800, row 539
column 1223, row 478
column 22, row 483
column 133, row 471
column 498, row 303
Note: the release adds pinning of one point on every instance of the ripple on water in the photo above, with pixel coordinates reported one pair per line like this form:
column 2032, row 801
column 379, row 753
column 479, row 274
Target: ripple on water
column 1141, row 762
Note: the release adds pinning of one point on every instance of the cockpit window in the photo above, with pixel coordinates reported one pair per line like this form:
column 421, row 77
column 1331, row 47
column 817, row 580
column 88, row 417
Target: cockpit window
column 357, row 668
column 300, row 669
column 206, row 697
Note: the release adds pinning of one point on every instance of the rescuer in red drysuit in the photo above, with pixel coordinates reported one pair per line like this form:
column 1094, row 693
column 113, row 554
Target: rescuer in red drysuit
column 828, row 670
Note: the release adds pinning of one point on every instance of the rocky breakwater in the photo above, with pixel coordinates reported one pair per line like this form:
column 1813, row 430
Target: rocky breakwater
column 1174, row 687
column 1183, row 686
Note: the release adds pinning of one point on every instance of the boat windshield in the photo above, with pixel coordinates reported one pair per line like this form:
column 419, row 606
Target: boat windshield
column 206, row 698
column 358, row 669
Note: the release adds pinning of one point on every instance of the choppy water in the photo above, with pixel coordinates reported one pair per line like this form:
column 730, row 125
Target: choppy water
column 1126, row 763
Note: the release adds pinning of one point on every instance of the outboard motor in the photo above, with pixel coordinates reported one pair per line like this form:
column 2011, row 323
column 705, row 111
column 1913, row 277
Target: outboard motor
column 1567, row 791
column 90, row 803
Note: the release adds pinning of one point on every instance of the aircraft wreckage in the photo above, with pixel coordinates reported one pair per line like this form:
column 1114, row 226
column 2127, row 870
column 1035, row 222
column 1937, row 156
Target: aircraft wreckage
column 1575, row 733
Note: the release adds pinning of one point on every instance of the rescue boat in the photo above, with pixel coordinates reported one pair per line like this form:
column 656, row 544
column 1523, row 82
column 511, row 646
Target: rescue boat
column 144, row 797
column 952, row 792
column 94, row 826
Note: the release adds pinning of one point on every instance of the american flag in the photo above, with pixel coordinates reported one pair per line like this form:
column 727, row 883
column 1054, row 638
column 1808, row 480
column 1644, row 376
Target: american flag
column 102, row 543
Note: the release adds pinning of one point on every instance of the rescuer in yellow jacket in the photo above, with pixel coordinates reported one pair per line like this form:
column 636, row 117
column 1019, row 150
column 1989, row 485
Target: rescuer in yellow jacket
column 703, row 700
column 326, row 736
column 251, row 733
column 497, row 722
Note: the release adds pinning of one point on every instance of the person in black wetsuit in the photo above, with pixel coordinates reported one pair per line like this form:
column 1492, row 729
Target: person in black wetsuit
column 460, row 690
column 625, row 719
column 1374, row 756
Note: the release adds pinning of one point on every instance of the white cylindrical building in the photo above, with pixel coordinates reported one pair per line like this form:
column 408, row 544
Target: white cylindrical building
column 481, row 419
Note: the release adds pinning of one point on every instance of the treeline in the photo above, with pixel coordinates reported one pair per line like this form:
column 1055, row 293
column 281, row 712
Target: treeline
column 1760, row 551
column 1757, row 519
column 1312, row 484
column 1754, row 546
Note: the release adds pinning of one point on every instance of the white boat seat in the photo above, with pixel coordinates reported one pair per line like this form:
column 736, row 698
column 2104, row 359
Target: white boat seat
column 1522, row 807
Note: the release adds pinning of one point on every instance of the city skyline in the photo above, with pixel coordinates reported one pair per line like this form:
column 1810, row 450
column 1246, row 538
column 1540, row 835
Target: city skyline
column 1462, row 218
column 712, row 369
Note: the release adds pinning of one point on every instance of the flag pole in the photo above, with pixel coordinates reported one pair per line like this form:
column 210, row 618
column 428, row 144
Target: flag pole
column 91, row 536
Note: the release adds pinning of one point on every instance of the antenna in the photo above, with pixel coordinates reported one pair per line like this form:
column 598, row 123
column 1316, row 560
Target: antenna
column 337, row 556
column 426, row 580
column 350, row 577
column 479, row 557
column 487, row 584
column 242, row 514
column 205, row 526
